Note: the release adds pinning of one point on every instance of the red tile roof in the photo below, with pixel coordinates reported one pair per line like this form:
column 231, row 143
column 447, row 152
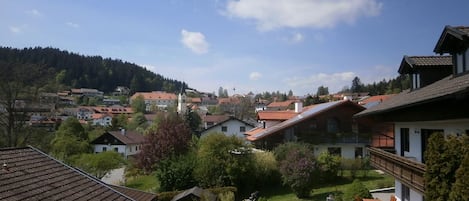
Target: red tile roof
column 33, row 175
column 155, row 95
column 379, row 98
column 275, row 115
column 281, row 104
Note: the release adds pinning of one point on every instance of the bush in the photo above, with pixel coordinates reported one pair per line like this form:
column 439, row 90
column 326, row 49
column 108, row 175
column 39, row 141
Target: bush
column 176, row 173
column 224, row 161
column 356, row 190
column 266, row 170
column 297, row 167
column 328, row 165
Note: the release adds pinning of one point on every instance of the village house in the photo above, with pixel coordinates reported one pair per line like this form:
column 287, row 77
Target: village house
column 127, row 143
column 156, row 99
column 228, row 125
column 437, row 102
column 327, row 126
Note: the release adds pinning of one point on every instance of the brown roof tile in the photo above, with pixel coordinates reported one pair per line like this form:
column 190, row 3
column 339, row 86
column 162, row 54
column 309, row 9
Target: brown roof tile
column 33, row 175
column 275, row 115
column 130, row 137
column 281, row 104
column 155, row 95
column 440, row 89
column 409, row 63
column 215, row 118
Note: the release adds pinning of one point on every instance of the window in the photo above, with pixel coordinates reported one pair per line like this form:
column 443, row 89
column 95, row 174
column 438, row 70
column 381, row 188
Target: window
column 405, row 193
column 332, row 125
column 415, row 81
column 242, row 129
column 404, row 140
column 224, row 129
column 336, row 151
column 358, row 152
column 116, row 149
column 462, row 61
column 104, row 148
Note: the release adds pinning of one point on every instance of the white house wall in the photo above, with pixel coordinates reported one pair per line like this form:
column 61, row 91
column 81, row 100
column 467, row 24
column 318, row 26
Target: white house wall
column 415, row 148
column 414, row 196
column 125, row 150
column 233, row 127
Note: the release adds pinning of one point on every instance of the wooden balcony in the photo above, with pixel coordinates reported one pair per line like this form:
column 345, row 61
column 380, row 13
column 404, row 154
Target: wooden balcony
column 409, row 172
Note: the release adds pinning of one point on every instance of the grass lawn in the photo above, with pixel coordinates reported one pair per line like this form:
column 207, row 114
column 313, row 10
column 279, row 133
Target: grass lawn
column 147, row 183
column 373, row 180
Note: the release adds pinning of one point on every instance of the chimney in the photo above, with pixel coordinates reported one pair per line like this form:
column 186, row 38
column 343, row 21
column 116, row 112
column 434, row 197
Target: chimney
column 123, row 131
column 298, row 107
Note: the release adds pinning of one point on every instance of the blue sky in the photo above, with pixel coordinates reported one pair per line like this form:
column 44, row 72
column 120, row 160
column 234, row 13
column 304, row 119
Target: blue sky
column 248, row 45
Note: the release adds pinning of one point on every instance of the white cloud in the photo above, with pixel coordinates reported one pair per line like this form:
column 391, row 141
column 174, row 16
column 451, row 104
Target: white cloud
column 34, row 12
column 270, row 14
column 194, row 41
column 73, row 25
column 18, row 29
column 335, row 82
column 255, row 76
column 296, row 38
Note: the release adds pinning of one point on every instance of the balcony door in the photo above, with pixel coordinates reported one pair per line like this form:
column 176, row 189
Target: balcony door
column 425, row 134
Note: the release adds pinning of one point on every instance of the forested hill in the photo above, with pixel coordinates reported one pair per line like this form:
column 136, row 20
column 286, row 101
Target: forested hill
column 78, row 71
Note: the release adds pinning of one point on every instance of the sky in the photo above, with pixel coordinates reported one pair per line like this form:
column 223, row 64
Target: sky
column 240, row 45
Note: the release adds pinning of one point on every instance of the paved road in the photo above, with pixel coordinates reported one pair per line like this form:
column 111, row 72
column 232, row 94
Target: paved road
column 115, row 177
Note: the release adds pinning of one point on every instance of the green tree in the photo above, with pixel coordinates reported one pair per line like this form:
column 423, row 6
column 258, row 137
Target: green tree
column 224, row 161
column 322, row 90
column 442, row 158
column 176, row 173
column 357, row 85
column 70, row 139
column 138, row 122
column 98, row 164
column 138, row 104
column 460, row 189
column 328, row 165
column 356, row 191
column 193, row 120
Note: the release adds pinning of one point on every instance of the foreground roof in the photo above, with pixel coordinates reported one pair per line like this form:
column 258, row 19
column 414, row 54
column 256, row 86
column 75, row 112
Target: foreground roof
column 29, row 174
column 136, row 194
column 441, row 89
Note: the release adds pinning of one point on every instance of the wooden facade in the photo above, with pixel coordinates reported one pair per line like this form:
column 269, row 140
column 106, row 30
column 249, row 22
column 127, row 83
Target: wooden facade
column 407, row 171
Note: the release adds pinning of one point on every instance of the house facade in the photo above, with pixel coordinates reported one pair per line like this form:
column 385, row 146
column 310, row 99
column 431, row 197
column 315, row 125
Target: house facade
column 127, row 143
column 327, row 126
column 156, row 99
column 230, row 126
column 438, row 103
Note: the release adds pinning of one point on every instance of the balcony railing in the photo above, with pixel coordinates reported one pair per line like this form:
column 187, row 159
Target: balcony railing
column 409, row 172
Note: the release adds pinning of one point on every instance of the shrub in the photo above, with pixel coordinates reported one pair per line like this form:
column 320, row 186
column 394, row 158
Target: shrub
column 224, row 161
column 297, row 167
column 328, row 165
column 266, row 169
column 176, row 173
column 356, row 191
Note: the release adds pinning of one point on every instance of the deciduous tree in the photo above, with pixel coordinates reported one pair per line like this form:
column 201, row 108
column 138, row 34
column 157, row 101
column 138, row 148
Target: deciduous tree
column 171, row 138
